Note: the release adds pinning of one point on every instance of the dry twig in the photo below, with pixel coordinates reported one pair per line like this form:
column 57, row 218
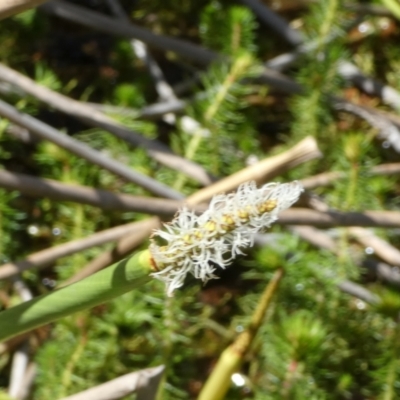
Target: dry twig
column 144, row 382
column 45, row 257
column 93, row 117
column 329, row 219
column 262, row 171
column 46, row 132
column 38, row 187
column 125, row 246
column 12, row 7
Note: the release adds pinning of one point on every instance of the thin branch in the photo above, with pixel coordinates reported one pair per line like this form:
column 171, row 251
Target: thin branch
column 46, row 257
column 275, row 22
column 383, row 249
column 142, row 382
column 185, row 49
column 262, row 171
column 93, row 117
column 38, row 187
column 382, row 271
column 386, row 169
column 371, row 86
column 46, row 132
column 111, row 26
column 125, row 246
column 315, row 237
column 386, row 128
column 347, row 70
column 322, row 240
column 20, row 359
column 12, row 7
column 358, row 291
column 163, row 88
column 28, row 382
column 284, row 61
column 371, row 9
column 329, row 219
column 323, row 179
column 327, row 178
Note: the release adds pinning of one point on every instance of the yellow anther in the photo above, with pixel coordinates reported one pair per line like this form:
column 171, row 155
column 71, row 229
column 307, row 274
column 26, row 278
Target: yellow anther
column 210, row 226
column 267, row 206
column 228, row 220
column 188, row 239
column 198, row 235
column 244, row 213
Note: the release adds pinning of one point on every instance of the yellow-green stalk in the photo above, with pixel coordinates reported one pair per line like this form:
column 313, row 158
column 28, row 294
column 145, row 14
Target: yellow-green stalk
column 96, row 289
column 231, row 359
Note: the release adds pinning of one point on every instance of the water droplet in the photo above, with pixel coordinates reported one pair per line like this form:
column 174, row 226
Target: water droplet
column 238, row 379
column 369, row 250
column 360, row 304
column 33, row 230
column 239, row 328
column 299, row 287
column 56, row 231
column 364, row 27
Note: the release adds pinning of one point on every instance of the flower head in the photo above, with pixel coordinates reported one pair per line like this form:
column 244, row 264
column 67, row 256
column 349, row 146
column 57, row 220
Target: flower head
column 197, row 244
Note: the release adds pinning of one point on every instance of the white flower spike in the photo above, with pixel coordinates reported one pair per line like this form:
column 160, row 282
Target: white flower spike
column 197, row 244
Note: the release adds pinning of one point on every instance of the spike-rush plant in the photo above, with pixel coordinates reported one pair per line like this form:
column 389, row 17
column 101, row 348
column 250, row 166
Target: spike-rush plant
column 194, row 245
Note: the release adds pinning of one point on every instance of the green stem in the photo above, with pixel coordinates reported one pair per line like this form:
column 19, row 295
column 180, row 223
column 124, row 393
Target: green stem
column 231, row 359
column 329, row 19
column 393, row 6
column 105, row 285
column 238, row 69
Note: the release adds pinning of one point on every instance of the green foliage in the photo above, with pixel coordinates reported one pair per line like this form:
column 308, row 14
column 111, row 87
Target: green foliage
column 228, row 30
column 224, row 131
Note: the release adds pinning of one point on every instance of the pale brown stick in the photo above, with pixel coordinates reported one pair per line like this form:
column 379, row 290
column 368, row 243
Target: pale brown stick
column 12, row 7
column 315, row 237
column 93, row 117
column 123, row 386
column 381, row 247
column 262, row 171
column 329, row 219
column 322, row 240
column 48, row 256
column 28, row 382
column 323, row 179
column 20, row 358
column 386, row 169
column 80, row 149
column 125, row 246
column 326, row 178
column 367, row 238
column 38, row 187
column 358, row 291
column 382, row 271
